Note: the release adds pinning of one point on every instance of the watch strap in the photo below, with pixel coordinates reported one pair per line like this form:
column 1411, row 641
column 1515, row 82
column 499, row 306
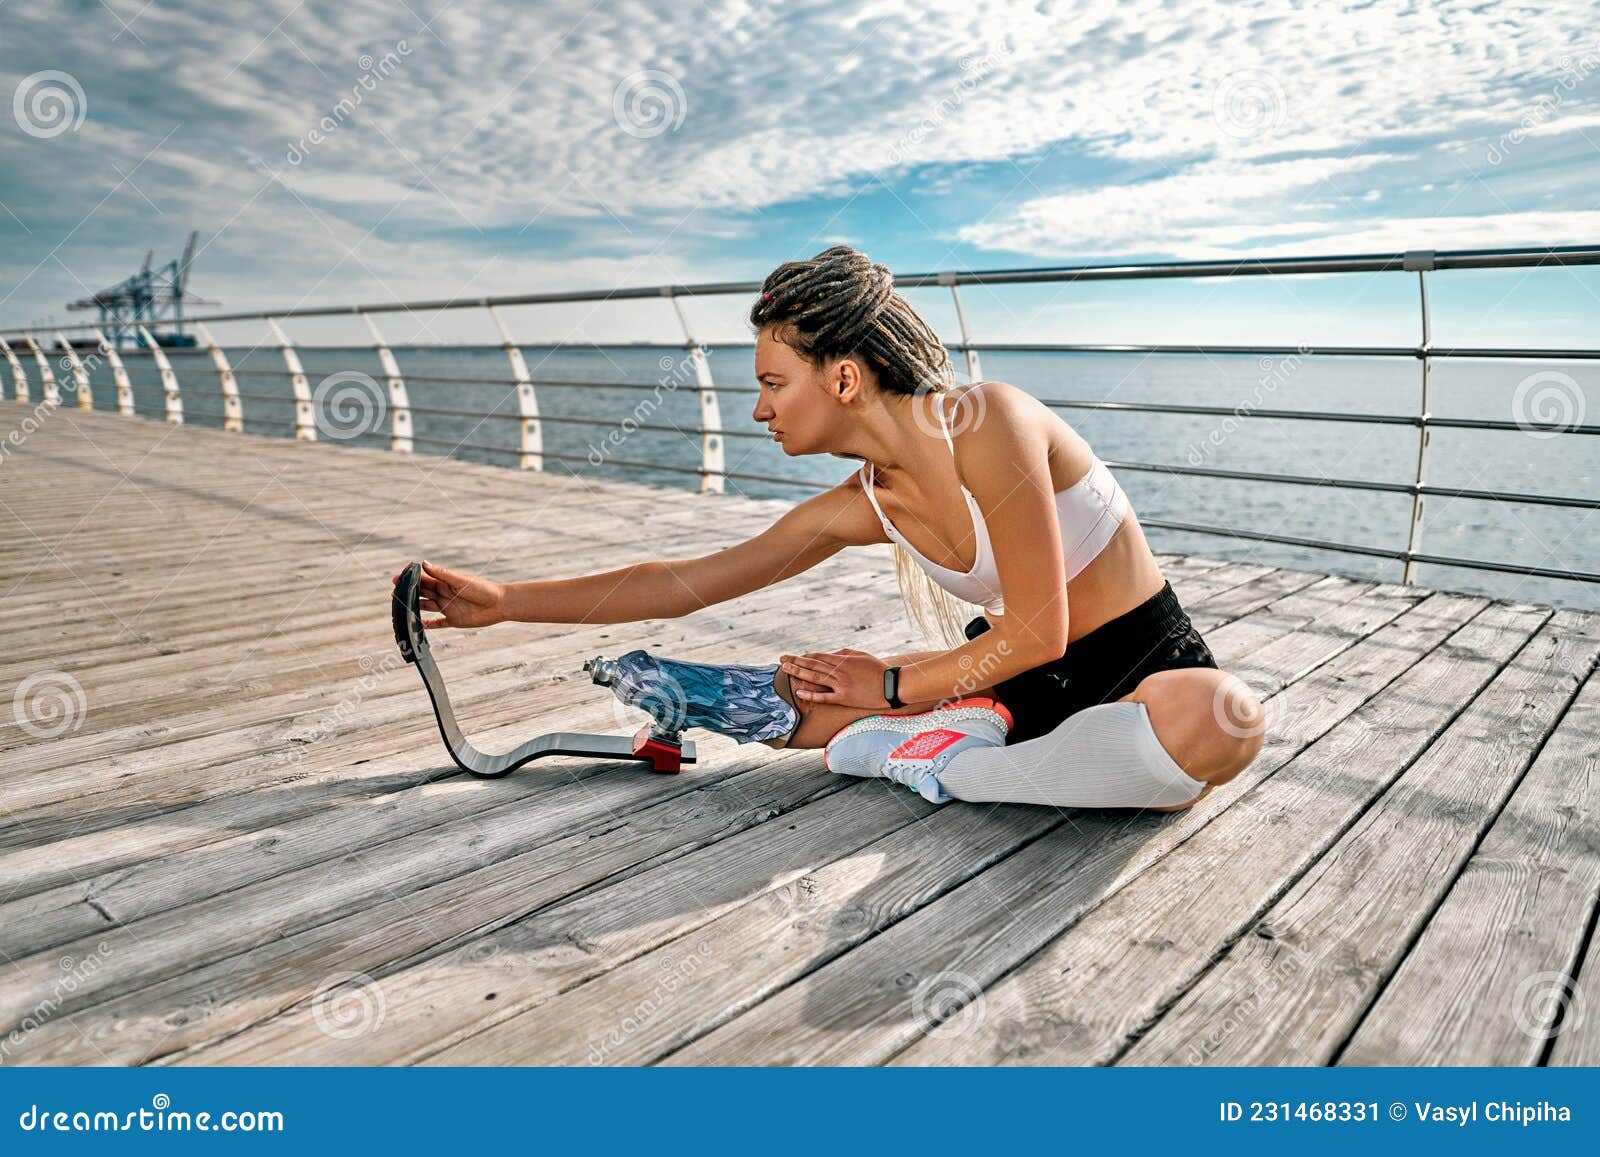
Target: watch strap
column 891, row 687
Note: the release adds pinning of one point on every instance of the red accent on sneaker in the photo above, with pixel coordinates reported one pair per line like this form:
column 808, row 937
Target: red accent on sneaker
column 927, row 744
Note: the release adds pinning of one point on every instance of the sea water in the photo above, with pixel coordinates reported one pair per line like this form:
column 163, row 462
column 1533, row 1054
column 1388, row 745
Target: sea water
column 604, row 433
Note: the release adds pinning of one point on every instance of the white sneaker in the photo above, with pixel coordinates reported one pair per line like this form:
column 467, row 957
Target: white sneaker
column 914, row 749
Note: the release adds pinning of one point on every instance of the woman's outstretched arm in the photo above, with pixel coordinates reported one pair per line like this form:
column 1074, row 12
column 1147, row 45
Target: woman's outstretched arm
column 813, row 531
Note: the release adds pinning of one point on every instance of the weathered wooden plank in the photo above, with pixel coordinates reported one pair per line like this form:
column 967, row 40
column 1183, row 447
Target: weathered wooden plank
column 1093, row 988
column 1348, row 924
column 758, row 948
column 282, row 892
column 437, row 1001
column 131, row 636
column 40, row 917
column 240, row 852
column 858, row 1009
column 211, row 1000
column 553, row 649
column 1506, row 940
column 144, row 951
column 298, row 1035
column 263, row 773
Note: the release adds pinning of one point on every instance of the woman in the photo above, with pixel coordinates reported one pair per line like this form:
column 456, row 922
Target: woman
column 1096, row 689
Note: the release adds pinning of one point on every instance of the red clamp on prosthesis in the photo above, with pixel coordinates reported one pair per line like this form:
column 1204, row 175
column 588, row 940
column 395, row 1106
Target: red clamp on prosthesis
column 664, row 755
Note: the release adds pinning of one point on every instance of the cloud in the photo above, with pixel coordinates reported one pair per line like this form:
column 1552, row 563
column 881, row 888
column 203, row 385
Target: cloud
column 662, row 137
column 1201, row 212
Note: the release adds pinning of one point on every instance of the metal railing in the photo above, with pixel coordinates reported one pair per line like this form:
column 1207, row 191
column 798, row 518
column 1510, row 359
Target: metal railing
column 712, row 471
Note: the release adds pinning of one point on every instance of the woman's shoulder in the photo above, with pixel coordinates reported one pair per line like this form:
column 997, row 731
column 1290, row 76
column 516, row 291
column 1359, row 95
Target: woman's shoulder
column 997, row 413
column 971, row 405
column 994, row 423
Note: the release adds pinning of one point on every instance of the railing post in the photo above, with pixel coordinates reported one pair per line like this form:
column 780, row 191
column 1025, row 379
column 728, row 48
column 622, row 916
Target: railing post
column 713, row 464
column 52, row 395
column 305, row 420
column 1420, row 260
column 80, row 376
column 399, row 402
column 532, row 447
column 18, row 378
column 974, row 371
column 232, row 411
column 119, row 374
column 169, row 380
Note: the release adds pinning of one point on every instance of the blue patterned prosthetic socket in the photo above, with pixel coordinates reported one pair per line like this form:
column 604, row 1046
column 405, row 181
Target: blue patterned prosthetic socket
column 737, row 701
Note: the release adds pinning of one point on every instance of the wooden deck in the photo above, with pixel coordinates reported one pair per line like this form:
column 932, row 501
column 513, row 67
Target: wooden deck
column 246, row 845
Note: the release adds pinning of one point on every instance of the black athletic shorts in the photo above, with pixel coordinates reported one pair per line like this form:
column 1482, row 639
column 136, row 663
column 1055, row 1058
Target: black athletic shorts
column 1102, row 666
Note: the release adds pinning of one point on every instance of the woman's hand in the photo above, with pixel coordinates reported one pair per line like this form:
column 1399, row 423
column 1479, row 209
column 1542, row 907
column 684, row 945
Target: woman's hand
column 464, row 600
column 848, row 677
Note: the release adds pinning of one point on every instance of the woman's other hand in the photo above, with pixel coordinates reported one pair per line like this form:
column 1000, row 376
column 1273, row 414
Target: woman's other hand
column 463, row 600
column 846, row 676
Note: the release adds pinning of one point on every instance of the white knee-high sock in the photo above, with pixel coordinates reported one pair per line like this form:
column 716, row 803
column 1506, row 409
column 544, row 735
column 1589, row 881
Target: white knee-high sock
column 1103, row 756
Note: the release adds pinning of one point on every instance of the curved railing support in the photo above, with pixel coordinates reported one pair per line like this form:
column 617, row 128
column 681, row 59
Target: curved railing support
column 18, row 378
column 119, row 374
column 305, row 419
column 1421, row 261
column 80, row 376
column 52, row 394
column 169, row 380
column 232, row 409
column 713, row 463
column 531, row 451
column 399, row 401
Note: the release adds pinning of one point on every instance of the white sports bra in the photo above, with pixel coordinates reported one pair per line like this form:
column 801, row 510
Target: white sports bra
column 1089, row 512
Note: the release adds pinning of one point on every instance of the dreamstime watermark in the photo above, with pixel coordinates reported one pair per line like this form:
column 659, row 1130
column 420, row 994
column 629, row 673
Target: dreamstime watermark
column 648, row 103
column 74, row 973
column 48, row 704
column 88, row 362
column 1281, row 974
column 348, row 1004
column 1275, row 372
column 30, row 424
column 935, row 414
column 975, row 70
column 675, row 970
column 1248, row 103
column 1237, row 709
column 1573, row 73
column 349, row 404
column 675, row 371
column 49, row 103
column 345, row 708
column 160, row 1117
column 938, row 998
column 372, row 73
column 1547, row 1004
column 977, row 673
column 655, row 692
column 1548, row 403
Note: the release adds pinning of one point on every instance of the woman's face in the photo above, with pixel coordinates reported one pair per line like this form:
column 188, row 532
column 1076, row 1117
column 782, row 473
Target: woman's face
column 798, row 402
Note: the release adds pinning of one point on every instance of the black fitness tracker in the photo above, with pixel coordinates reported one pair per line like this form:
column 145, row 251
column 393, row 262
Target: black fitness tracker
column 891, row 686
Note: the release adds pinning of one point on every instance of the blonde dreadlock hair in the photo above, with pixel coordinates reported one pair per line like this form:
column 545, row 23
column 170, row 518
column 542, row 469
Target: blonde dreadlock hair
column 841, row 304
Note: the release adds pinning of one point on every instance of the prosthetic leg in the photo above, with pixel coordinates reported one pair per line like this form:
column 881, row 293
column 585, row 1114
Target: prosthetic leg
column 662, row 749
column 741, row 702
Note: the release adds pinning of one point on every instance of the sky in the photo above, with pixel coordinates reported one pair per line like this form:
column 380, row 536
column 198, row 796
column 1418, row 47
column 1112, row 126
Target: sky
column 342, row 151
